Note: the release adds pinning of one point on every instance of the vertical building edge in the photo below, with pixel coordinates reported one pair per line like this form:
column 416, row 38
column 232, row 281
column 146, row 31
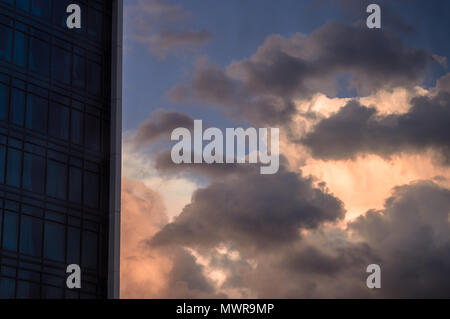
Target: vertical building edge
column 115, row 151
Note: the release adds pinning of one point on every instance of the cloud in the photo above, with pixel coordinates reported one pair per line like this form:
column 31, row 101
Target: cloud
column 179, row 39
column 148, row 272
column 443, row 84
column 251, row 211
column 391, row 20
column 263, row 88
column 248, row 235
column 161, row 124
column 138, row 165
column 162, row 27
column 409, row 238
column 357, row 129
column 165, row 165
column 143, row 271
column 412, row 237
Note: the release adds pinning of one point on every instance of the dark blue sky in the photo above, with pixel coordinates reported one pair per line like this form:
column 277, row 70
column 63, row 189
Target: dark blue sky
column 240, row 27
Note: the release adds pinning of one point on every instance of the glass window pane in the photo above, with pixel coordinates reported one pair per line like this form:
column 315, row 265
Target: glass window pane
column 75, row 185
column 27, row 290
column 94, row 78
column 2, row 163
column 4, row 102
column 61, row 65
column 23, row 4
column 89, row 249
column 54, row 241
column 30, row 236
column 41, row 8
column 77, row 127
column 91, row 189
column 58, row 124
column 10, row 2
column 13, row 167
column 92, row 133
column 36, row 113
column 79, row 71
column 20, row 49
column 59, row 12
column 56, row 179
column 7, row 288
column 95, row 24
column 70, row 294
column 49, row 292
column 10, row 231
column 39, row 57
column 5, row 43
column 17, row 107
column 73, row 246
column 1, row 222
column 33, row 173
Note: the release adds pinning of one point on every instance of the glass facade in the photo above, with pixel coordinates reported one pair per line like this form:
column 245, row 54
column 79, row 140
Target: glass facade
column 55, row 131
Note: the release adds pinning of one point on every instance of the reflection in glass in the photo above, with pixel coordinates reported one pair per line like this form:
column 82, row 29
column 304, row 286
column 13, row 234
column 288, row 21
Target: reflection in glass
column 5, row 43
column 17, row 107
column 89, row 250
column 10, row 230
column 56, row 179
column 61, row 62
column 7, row 288
column 92, row 133
column 20, row 49
column 4, row 102
column 39, row 57
column 75, row 185
column 30, row 236
column 58, row 125
column 33, row 173
column 27, row 290
column 36, row 113
column 54, row 241
column 91, row 191
column 13, row 168
column 79, row 72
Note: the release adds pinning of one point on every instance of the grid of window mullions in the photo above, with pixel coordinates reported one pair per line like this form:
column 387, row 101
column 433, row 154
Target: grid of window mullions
column 45, row 280
column 57, row 20
column 52, row 103
column 76, row 122
column 41, row 262
column 89, row 58
column 44, row 194
column 91, row 220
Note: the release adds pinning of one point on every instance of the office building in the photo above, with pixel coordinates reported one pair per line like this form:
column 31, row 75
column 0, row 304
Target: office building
column 60, row 137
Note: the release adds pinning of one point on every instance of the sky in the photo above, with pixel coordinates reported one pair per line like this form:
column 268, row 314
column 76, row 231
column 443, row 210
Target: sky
column 364, row 119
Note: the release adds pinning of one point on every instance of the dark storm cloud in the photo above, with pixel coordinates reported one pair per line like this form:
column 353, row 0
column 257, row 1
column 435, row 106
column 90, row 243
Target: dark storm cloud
column 162, row 27
column 161, row 124
column 391, row 19
column 313, row 261
column 443, row 84
column 211, row 84
column 409, row 238
column 186, row 270
column 263, row 87
column 251, row 211
column 165, row 164
column 356, row 129
column 412, row 237
column 185, row 39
